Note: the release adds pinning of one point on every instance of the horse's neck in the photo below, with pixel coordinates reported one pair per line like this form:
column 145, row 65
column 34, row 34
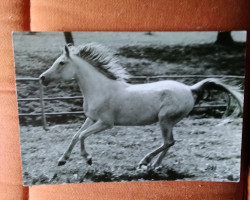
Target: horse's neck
column 91, row 82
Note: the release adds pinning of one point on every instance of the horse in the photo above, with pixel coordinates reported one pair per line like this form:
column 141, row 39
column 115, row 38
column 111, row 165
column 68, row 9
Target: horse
column 109, row 100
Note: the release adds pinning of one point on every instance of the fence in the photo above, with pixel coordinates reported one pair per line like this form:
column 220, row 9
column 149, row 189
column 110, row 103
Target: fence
column 134, row 79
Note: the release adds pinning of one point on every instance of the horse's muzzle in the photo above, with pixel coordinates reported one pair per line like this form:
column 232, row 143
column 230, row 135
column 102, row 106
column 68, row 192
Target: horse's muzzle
column 44, row 81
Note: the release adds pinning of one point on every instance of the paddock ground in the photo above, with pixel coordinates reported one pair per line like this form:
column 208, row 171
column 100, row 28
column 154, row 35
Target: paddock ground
column 210, row 150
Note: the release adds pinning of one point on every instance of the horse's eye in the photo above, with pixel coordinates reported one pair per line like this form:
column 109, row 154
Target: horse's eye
column 61, row 63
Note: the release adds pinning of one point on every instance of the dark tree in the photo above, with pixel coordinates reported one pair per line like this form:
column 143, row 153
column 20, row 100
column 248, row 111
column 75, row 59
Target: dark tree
column 224, row 38
column 68, row 37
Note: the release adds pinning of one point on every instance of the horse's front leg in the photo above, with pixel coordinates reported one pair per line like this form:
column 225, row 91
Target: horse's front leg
column 88, row 122
column 95, row 128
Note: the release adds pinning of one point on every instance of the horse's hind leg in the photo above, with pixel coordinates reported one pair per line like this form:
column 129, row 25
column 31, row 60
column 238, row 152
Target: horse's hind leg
column 158, row 161
column 168, row 141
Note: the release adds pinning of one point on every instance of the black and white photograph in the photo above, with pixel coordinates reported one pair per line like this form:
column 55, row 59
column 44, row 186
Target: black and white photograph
column 130, row 106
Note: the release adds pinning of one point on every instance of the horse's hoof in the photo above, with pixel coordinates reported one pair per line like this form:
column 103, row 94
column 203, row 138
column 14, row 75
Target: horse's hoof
column 61, row 162
column 157, row 167
column 142, row 167
column 89, row 161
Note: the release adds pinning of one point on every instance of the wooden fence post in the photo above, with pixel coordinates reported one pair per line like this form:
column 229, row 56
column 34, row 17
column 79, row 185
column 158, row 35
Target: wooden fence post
column 42, row 107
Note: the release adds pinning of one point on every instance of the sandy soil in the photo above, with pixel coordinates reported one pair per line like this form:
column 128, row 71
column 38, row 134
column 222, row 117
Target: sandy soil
column 205, row 149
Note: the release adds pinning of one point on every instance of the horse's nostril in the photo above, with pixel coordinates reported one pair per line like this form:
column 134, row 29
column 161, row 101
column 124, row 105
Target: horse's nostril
column 44, row 81
column 42, row 78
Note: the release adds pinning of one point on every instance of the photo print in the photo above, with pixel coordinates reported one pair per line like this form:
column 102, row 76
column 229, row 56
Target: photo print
column 129, row 106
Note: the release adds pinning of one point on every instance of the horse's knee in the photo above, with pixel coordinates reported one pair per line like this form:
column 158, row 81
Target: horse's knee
column 168, row 144
column 82, row 137
column 75, row 138
column 172, row 143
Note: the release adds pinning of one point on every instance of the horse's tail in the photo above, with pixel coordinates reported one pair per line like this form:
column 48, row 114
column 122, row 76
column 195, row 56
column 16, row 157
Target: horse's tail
column 199, row 88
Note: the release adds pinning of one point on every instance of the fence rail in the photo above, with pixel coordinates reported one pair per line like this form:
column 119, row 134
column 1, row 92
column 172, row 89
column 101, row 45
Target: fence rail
column 61, row 113
column 51, row 98
column 134, row 79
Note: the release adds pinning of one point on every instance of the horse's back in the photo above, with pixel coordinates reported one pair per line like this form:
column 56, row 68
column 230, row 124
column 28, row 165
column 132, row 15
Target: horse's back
column 165, row 90
column 169, row 85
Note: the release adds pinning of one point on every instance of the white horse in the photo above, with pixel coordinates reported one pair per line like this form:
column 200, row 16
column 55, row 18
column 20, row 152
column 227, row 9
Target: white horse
column 110, row 101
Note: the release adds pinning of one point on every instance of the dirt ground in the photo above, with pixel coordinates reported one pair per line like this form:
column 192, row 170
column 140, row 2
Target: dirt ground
column 207, row 146
column 205, row 149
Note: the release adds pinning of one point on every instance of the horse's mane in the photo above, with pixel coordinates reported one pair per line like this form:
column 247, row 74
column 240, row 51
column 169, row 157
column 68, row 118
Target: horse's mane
column 102, row 59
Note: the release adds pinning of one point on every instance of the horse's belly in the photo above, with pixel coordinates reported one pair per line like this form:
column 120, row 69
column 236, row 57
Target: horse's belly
column 137, row 112
column 135, row 119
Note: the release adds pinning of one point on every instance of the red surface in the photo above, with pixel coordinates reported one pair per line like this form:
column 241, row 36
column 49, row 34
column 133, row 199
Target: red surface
column 13, row 16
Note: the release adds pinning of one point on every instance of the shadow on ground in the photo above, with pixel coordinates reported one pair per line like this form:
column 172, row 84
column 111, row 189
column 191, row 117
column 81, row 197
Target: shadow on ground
column 149, row 175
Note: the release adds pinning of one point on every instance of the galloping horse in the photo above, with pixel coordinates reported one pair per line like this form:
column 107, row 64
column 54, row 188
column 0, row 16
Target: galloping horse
column 109, row 100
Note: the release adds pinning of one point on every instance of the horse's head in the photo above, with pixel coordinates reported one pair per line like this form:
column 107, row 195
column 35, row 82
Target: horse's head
column 61, row 69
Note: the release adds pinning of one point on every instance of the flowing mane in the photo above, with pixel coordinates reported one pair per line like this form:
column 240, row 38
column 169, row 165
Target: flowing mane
column 102, row 59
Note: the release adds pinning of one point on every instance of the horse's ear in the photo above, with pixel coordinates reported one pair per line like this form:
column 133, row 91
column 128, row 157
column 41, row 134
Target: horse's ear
column 66, row 50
